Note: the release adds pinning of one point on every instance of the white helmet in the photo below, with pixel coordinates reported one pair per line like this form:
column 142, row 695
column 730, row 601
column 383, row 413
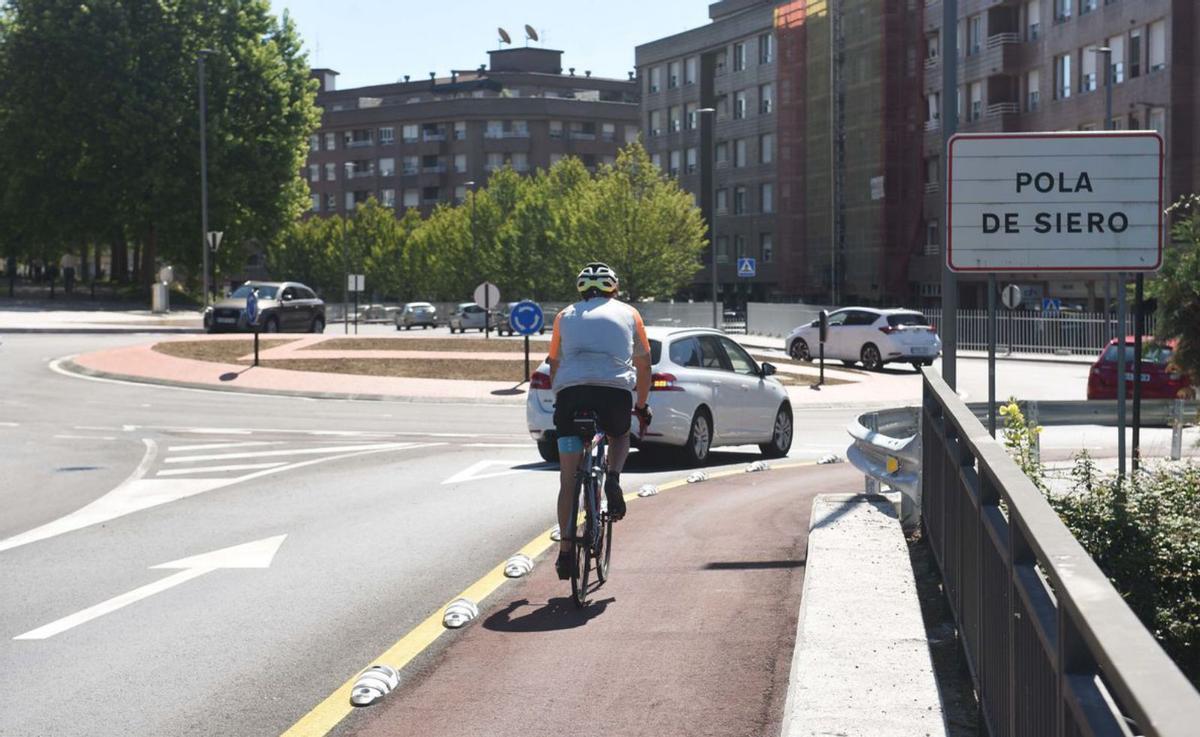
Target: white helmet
column 597, row 276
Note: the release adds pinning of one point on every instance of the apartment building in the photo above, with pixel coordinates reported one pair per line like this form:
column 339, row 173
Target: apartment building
column 417, row 143
column 1041, row 65
column 763, row 172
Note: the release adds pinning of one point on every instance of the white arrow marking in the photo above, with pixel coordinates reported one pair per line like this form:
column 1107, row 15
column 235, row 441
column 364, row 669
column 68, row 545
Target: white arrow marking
column 257, row 554
column 478, row 471
column 288, row 452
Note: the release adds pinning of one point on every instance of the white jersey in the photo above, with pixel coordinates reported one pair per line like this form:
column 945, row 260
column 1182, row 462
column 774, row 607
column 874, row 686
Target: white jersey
column 595, row 341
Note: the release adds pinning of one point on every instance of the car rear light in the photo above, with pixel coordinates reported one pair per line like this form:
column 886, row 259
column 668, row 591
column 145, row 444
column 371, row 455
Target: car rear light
column 888, row 329
column 539, row 380
column 664, row 383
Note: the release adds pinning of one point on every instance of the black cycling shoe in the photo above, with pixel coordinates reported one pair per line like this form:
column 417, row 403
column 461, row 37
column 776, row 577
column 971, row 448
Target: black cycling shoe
column 565, row 565
column 616, row 497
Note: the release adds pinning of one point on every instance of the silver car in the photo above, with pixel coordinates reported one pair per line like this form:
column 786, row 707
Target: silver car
column 468, row 316
column 416, row 314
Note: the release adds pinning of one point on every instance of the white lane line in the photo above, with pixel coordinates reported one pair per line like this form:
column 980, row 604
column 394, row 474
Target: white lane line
column 215, row 431
column 220, row 469
column 84, row 437
column 9, row 424
column 215, row 446
column 137, row 493
column 288, row 452
column 56, row 367
column 523, row 446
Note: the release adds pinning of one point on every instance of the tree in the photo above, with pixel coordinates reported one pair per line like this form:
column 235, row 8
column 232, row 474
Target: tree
column 642, row 224
column 1177, row 287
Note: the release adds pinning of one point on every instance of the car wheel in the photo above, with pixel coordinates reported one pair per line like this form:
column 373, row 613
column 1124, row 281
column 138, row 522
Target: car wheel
column 799, row 350
column 318, row 325
column 871, row 360
column 271, row 325
column 781, row 434
column 408, row 327
column 699, row 441
column 917, row 366
column 451, row 329
column 398, row 326
column 548, row 450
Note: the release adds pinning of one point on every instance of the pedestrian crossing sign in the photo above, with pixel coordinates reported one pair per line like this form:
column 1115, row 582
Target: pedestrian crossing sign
column 746, row 267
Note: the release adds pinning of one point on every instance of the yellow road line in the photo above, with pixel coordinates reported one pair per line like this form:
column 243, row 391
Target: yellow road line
column 327, row 714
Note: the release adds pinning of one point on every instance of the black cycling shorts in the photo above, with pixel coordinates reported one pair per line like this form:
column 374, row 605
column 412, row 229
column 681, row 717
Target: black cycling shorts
column 611, row 405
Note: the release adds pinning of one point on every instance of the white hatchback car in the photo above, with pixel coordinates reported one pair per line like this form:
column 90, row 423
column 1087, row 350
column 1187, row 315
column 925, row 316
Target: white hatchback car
column 871, row 336
column 706, row 391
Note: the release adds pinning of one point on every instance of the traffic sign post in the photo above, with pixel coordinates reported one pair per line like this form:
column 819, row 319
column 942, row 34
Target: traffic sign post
column 526, row 319
column 487, row 294
column 356, row 283
column 822, row 334
column 746, row 267
column 252, row 318
column 1011, row 297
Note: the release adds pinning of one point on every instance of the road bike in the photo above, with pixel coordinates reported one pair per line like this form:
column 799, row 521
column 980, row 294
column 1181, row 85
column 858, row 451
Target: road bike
column 593, row 540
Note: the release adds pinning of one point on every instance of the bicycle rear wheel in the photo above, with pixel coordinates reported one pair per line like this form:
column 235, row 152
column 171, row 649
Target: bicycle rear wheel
column 579, row 578
column 604, row 548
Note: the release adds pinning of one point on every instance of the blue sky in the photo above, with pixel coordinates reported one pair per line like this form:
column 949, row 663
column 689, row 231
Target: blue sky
column 375, row 42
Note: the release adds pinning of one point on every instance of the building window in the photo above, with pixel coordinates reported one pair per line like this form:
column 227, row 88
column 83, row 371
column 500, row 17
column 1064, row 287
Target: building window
column 722, row 201
column 349, row 201
column 314, row 172
column 494, row 129
column 739, row 200
column 1033, row 20
column 672, row 75
column 674, row 120
column 766, row 247
column 1062, row 10
column 331, row 202
column 1087, row 72
column 691, row 159
column 631, row 133
column 975, row 35
column 357, row 138
column 331, row 172
column 1032, row 94
column 766, row 49
column 1158, row 120
column 608, row 132
column 411, row 133
column 766, row 148
column 388, row 197
column 739, row 104
column 314, row 143
column 676, row 162
column 410, row 165
column 315, row 205
column 933, row 167
column 519, row 129
column 460, row 130
column 387, row 167
column 739, row 57
column 656, row 159
column 495, row 161
column 690, row 115
column 655, row 124
column 1158, row 45
column 1087, row 6
column 719, row 63
column 387, row 135
column 430, row 195
column 412, row 198
column 931, row 235
column 722, row 249
column 520, row 162
column 1062, row 76
column 1135, row 53
column 689, row 70
column 766, row 98
column 330, row 141
column 933, row 110
column 766, row 197
column 739, row 152
column 556, row 129
column 721, row 152
column 933, row 47
column 1117, row 59
column 739, row 246
column 655, row 79
column 460, row 163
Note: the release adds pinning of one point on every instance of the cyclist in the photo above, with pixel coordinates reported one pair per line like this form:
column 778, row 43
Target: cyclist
column 599, row 358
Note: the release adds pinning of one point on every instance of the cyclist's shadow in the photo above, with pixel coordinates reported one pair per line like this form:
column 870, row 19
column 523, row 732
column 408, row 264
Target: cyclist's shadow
column 557, row 614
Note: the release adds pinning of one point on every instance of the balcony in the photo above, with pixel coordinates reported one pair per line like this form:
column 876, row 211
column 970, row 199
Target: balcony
column 583, row 136
column 361, row 174
column 997, row 109
column 359, row 144
column 933, row 125
column 931, row 187
column 434, row 169
column 495, row 134
column 997, row 40
column 434, row 137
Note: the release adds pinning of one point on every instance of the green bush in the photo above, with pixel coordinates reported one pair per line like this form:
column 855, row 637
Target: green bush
column 1144, row 533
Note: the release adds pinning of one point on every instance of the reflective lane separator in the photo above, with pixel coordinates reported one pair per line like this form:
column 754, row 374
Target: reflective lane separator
column 555, row 534
column 697, row 477
column 373, row 684
column 461, row 611
column 827, row 459
column 518, row 565
column 647, row 490
column 326, row 715
column 757, row 466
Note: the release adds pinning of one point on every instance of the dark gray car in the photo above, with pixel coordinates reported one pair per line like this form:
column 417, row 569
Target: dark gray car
column 282, row 307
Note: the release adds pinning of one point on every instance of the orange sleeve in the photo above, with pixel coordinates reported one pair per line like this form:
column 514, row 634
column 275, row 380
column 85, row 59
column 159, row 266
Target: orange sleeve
column 555, row 338
column 641, row 345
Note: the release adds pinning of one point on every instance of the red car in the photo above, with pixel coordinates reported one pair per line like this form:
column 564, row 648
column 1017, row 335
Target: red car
column 1159, row 379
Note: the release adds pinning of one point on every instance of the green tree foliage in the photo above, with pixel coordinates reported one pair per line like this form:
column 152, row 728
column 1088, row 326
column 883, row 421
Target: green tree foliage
column 99, row 122
column 529, row 235
column 1177, row 287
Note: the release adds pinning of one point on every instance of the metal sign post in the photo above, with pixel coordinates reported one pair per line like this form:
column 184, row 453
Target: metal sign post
column 487, row 294
column 823, row 333
column 991, row 339
column 252, row 318
column 356, row 283
column 1011, row 297
column 526, row 319
column 1121, row 375
column 1138, row 329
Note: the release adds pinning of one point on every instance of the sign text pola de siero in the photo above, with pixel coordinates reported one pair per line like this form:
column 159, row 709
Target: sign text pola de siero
column 1055, row 202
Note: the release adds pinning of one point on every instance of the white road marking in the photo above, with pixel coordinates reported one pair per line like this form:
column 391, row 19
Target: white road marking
column 287, row 452
column 478, row 471
column 56, row 367
column 9, row 424
column 138, row 493
column 523, row 446
column 219, row 469
column 215, row 446
column 84, row 437
column 257, row 554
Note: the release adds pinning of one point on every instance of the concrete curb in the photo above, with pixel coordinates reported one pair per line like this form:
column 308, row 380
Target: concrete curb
column 861, row 664
column 70, row 366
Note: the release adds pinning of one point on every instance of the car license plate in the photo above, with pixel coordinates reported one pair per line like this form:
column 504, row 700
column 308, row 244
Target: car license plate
column 1144, row 378
column 227, row 320
column 921, row 350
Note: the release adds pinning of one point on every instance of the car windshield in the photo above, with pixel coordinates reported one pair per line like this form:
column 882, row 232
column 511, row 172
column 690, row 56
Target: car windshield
column 907, row 318
column 264, row 292
column 1155, row 353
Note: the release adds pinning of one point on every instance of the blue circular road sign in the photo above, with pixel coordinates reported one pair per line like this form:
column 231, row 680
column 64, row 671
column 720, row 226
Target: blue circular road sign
column 526, row 317
column 252, row 307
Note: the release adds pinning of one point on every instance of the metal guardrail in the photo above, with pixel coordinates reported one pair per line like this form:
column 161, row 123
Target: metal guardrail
column 1053, row 649
column 1026, row 331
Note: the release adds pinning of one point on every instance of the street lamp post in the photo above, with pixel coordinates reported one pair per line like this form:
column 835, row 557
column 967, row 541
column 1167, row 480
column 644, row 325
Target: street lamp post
column 200, row 56
column 709, row 114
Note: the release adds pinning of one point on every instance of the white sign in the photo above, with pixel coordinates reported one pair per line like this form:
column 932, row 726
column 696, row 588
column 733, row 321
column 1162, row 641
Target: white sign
column 489, row 298
column 214, row 238
column 357, row 282
column 1055, row 201
column 1011, row 296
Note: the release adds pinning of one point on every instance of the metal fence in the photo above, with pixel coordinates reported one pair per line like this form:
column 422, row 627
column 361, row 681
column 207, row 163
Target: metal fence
column 777, row 320
column 1053, row 649
column 1022, row 331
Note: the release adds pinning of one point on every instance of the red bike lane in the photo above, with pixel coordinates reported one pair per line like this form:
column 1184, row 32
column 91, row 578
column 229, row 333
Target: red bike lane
column 691, row 635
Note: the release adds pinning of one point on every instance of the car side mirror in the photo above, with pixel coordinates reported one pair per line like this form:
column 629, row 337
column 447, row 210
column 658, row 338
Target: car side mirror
column 768, row 370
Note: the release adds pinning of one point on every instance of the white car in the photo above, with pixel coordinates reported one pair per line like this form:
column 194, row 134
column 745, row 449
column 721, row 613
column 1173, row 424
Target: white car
column 706, row 391
column 871, row 336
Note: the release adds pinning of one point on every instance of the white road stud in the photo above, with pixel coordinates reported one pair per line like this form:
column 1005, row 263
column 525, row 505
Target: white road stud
column 556, row 534
column 827, row 459
column 697, row 477
column 757, row 466
column 518, row 565
column 647, row 490
column 459, row 612
column 373, row 684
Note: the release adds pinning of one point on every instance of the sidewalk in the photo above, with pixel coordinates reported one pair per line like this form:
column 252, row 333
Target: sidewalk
column 44, row 317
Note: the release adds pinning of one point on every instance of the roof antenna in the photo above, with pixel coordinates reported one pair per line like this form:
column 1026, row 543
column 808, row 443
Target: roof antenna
column 504, row 37
column 530, row 34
